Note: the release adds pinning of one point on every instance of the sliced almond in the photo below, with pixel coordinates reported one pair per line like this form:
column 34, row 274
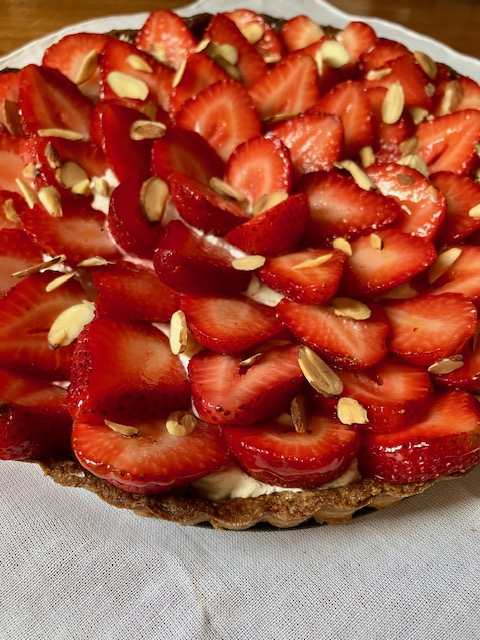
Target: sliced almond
column 94, row 261
column 446, row 365
column 178, row 336
column 409, row 146
column 158, row 51
column 350, row 411
column 342, row 244
column 367, row 156
column 318, row 374
column 125, row 86
column 177, row 78
column 42, row 266
column 70, row 174
column 66, row 134
column 427, row 63
column 82, row 188
column 442, row 263
column 138, row 63
column 231, row 69
column 248, row 263
column 70, row 324
column 280, row 117
column 180, row 423
column 30, row 171
column 419, row 114
column 50, row 198
column 153, row 199
column 452, row 96
column 202, row 45
column 272, row 58
column 474, row 212
column 10, row 211
column 101, row 187
column 57, row 282
column 376, row 241
column 51, row 154
column 29, row 195
column 299, row 413
column 334, row 54
column 433, row 191
column 357, row 173
column 350, row 308
column 312, row 262
column 267, row 201
column 124, row 429
column 253, row 32
column 224, row 189
column 249, row 362
column 393, row 103
column 415, row 162
column 430, row 90
column 147, row 130
column 87, row 68
column 378, row 74
column 226, row 51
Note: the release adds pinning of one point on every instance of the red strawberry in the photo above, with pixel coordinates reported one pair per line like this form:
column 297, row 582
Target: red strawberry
column 339, row 207
column 223, row 114
column 34, row 421
column 456, row 94
column 423, row 207
column 276, row 230
column 382, row 53
column 340, row 340
column 226, row 392
column 49, row 100
column 260, row 166
column 300, row 32
column 190, row 264
column 149, row 381
column 203, row 208
column 27, row 313
column 11, row 163
column 357, row 38
column 274, row 453
column 9, row 114
column 133, row 292
column 152, row 461
column 445, row 441
column 315, row 141
column 462, row 195
column 229, row 324
column 385, row 261
column 310, row 277
column 429, row 328
column 17, row 252
column 467, row 376
column 470, row 91
column 268, row 45
column 463, row 276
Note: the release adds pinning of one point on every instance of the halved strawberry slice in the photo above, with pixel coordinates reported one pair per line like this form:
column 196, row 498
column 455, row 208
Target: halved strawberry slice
column 382, row 52
column 357, row 38
column 462, row 195
column 229, row 324
column 152, row 461
column 300, row 32
column 278, row 455
column 429, row 328
column 227, row 390
column 310, row 277
column 9, row 114
column 339, row 339
column 258, row 32
column 17, row 252
column 190, row 264
column 446, row 441
column 11, row 163
column 223, row 114
column 34, row 421
column 149, row 381
column 387, row 136
column 462, row 276
column 467, row 376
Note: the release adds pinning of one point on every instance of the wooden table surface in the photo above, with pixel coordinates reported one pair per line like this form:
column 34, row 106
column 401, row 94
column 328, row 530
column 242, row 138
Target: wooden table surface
column 454, row 22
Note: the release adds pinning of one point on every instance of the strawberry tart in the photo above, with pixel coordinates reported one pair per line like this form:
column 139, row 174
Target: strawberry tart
column 246, row 268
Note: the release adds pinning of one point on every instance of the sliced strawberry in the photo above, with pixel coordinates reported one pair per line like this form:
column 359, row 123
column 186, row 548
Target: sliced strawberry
column 190, row 264
column 165, row 36
column 455, row 94
column 462, row 195
column 274, row 231
column 382, row 53
column 310, row 277
column 393, row 392
column 17, row 252
column 9, row 113
column 385, row 261
column 226, row 392
column 300, row 32
column 445, row 441
column 260, row 166
column 339, row 207
column 424, row 207
column 27, row 313
column 340, row 340
column 463, row 276
column 203, row 208
column 34, row 421
column 133, row 292
column 152, row 461
column 258, row 32
column 447, row 143
column 229, row 324
column 429, row 328
column 11, row 163
column 49, row 100
column 276, row 454
column 290, row 87
column 357, row 38
column 467, row 376
column 387, row 137
column 250, row 64
column 349, row 101
column 149, row 381
column 315, row 141
column 223, row 114
column 470, row 90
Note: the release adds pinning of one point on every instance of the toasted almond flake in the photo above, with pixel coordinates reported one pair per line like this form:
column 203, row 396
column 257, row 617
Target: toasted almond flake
column 9, row 210
column 159, row 52
column 272, row 58
column 82, row 188
column 57, row 282
column 350, row 308
column 42, row 266
column 253, row 32
column 231, row 69
column 401, row 292
column 452, row 96
column 280, row 117
column 393, row 103
column 249, row 362
column 357, row 173
column 224, row 189
column 100, row 186
column 350, row 411
column 70, row 323
column 50, row 198
column 125, row 86
column 334, row 54
column 149, row 110
column 267, row 201
column 433, row 191
column 378, row 74
column 202, row 45
column 94, row 261
column 180, row 423
column 430, row 90
column 226, row 51
column 474, row 212
column 87, row 68
column 442, row 263
column 419, row 114
column 312, row 262
column 367, row 156
column 30, row 170
column 29, row 195
column 70, row 174
column 52, row 156
column 248, row 263
column 415, row 162
column 66, row 134
column 342, row 244
column 299, row 414
column 409, row 146
column 138, row 63
column 446, row 365
column 178, row 336
column 153, row 199
column 147, row 130
column 427, row 63
column 376, row 241
column 177, row 78
column 123, row 429
column 317, row 373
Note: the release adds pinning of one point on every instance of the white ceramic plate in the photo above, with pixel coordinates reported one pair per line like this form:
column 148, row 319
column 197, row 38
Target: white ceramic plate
column 318, row 10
